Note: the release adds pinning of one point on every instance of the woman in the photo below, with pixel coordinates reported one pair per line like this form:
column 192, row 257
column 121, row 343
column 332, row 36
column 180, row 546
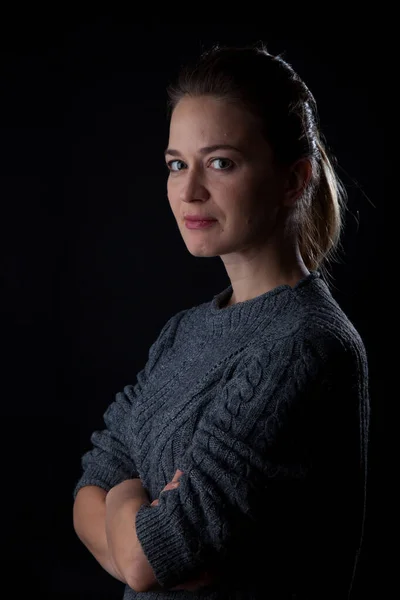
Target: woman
column 251, row 414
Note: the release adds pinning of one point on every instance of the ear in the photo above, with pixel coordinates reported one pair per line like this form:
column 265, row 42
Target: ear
column 298, row 177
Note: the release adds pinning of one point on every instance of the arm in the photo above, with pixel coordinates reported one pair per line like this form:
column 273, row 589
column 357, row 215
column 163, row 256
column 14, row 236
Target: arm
column 233, row 468
column 110, row 460
column 107, row 539
column 122, row 504
column 89, row 516
column 104, row 466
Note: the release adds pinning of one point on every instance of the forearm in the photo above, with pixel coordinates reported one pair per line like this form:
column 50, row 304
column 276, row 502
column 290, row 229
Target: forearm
column 89, row 516
column 122, row 504
column 113, row 541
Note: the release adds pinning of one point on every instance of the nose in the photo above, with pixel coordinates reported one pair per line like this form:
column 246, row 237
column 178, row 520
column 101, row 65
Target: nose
column 192, row 187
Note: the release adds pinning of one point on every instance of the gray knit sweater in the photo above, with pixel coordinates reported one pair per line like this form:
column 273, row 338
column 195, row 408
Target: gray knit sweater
column 264, row 407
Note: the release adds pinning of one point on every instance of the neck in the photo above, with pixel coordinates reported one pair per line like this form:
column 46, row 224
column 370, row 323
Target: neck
column 260, row 271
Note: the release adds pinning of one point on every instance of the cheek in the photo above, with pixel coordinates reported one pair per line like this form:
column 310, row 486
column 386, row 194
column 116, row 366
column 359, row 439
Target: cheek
column 170, row 190
column 256, row 203
column 173, row 187
column 173, row 199
column 265, row 194
column 245, row 194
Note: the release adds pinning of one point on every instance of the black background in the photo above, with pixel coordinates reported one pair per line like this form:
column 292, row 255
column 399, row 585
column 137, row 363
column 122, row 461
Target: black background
column 93, row 263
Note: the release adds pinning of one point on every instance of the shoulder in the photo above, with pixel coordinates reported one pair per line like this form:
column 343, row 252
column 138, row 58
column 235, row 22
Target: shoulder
column 325, row 327
column 170, row 328
column 314, row 323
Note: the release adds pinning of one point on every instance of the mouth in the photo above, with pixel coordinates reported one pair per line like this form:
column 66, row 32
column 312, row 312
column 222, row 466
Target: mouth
column 188, row 218
column 199, row 223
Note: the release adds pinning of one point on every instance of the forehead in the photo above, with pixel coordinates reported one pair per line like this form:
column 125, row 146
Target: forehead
column 210, row 120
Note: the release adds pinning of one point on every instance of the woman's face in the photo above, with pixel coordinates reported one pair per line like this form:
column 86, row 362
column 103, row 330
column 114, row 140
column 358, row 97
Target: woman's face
column 221, row 167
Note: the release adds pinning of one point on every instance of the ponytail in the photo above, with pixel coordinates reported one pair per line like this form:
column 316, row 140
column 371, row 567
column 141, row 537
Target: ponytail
column 320, row 221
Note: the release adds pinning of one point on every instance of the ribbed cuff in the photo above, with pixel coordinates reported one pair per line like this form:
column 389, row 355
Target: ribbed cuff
column 101, row 477
column 164, row 545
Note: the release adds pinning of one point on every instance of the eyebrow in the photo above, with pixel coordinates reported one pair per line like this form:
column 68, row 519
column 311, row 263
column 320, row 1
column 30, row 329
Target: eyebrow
column 205, row 150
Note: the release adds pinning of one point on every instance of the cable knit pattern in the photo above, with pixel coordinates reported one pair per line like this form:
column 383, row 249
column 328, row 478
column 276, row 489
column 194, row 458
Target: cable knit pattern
column 264, row 407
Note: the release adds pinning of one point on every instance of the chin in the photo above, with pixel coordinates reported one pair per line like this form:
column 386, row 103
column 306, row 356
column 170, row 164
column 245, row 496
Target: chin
column 208, row 248
column 202, row 252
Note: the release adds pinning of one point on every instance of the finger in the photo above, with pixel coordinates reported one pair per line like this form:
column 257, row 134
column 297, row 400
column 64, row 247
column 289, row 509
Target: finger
column 171, row 486
column 178, row 473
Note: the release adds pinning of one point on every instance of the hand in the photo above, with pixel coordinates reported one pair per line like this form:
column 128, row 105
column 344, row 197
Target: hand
column 173, row 484
column 205, row 577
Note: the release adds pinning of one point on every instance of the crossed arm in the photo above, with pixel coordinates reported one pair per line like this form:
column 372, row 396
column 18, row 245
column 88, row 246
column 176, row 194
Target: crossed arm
column 105, row 523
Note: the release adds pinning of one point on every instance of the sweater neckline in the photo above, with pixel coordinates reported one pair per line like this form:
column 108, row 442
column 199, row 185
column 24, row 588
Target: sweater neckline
column 246, row 316
column 223, row 297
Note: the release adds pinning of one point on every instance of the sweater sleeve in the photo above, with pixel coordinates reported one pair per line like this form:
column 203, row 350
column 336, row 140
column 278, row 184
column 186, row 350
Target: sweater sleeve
column 233, row 464
column 109, row 461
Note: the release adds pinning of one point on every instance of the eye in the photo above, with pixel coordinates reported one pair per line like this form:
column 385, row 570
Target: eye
column 225, row 164
column 171, row 162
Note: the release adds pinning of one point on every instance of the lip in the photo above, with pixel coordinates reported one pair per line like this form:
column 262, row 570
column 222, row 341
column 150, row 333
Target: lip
column 188, row 218
column 199, row 223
